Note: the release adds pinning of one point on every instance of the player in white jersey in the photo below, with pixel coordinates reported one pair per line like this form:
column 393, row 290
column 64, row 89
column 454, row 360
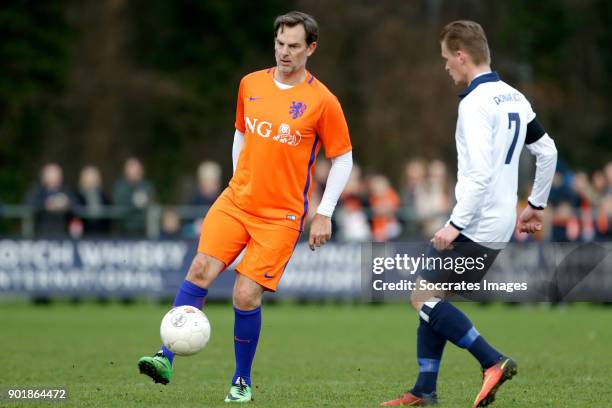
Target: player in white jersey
column 495, row 121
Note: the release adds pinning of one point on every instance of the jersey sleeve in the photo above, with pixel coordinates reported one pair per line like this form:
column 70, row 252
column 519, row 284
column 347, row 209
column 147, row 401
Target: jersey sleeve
column 239, row 124
column 338, row 176
column 332, row 128
column 530, row 113
column 535, row 130
column 545, row 151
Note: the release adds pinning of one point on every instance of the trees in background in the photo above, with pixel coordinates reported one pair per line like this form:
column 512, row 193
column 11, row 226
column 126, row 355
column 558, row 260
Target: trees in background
column 158, row 79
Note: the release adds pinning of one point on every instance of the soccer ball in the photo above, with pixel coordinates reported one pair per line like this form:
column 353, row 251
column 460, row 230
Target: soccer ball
column 185, row 330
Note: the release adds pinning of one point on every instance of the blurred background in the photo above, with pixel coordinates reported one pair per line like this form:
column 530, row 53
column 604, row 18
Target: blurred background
column 116, row 116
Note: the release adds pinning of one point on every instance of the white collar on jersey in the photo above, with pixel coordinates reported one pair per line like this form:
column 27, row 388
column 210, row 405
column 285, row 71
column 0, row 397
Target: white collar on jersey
column 282, row 86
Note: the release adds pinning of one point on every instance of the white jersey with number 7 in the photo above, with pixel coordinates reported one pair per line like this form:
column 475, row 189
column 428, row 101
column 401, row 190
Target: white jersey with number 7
column 495, row 121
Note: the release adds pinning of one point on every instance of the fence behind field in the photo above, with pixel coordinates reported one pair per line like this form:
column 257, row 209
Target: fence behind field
column 343, row 271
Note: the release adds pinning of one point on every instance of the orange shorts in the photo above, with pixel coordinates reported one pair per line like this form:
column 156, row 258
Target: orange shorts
column 227, row 230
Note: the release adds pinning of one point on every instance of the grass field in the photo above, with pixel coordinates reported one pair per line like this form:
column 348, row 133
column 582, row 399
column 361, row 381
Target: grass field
column 308, row 356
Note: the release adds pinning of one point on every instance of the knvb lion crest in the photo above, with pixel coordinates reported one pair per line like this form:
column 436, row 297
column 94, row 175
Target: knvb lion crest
column 297, row 109
column 284, row 136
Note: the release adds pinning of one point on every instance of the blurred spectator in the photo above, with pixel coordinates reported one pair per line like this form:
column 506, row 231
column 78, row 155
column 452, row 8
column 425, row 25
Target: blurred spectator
column 352, row 220
column 170, row 225
column 602, row 186
column 411, row 192
column 92, row 201
column 426, row 197
column 604, row 218
column 559, row 192
column 385, row 203
column 599, row 186
column 51, row 202
column 322, row 169
column 608, row 175
column 414, row 180
column 134, row 193
column 583, row 206
column 207, row 190
column 433, row 202
column 209, row 184
column 565, row 226
column 580, row 203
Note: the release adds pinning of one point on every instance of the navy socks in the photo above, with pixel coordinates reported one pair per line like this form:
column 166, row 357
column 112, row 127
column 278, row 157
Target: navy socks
column 247, row 326
column 449, row 322
column 430, row 346
column 188, row 294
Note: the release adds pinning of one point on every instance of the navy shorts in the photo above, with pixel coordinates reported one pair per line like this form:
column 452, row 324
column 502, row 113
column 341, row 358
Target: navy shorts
column 467, row 262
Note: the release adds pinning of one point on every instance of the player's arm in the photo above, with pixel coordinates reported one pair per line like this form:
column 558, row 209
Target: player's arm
column 237, row 147
column 334, row 134
column 543, row 148
column 339, row 173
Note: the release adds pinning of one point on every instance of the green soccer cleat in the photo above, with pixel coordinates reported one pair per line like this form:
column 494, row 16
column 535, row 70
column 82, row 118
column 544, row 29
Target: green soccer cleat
column 239, row 392
column 157, row 367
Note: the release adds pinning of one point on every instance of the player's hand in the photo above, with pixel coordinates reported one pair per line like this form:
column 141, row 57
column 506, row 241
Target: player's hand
column 443, row 239
column 320, row 231
column 530, row 220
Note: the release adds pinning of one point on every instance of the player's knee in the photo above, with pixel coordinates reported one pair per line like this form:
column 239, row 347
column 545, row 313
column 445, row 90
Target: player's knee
column 246, row 298
column 420, row 298
column 416, row 300
column 201, row 272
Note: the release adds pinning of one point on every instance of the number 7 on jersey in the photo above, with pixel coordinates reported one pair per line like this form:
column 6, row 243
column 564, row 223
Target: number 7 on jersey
column 513, row 117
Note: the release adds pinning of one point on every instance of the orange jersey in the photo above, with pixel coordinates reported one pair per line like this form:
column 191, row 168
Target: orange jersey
column 283, row 132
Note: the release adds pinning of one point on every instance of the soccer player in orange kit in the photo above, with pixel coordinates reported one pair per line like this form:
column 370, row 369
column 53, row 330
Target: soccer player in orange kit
column 283, row 117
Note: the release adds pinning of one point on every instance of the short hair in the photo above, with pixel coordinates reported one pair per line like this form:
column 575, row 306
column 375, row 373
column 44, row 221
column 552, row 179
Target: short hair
column 467, row 36
column 294, row 18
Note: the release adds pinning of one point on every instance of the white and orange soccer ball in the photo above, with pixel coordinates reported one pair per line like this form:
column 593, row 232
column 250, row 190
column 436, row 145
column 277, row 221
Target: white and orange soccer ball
column 185, row 330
